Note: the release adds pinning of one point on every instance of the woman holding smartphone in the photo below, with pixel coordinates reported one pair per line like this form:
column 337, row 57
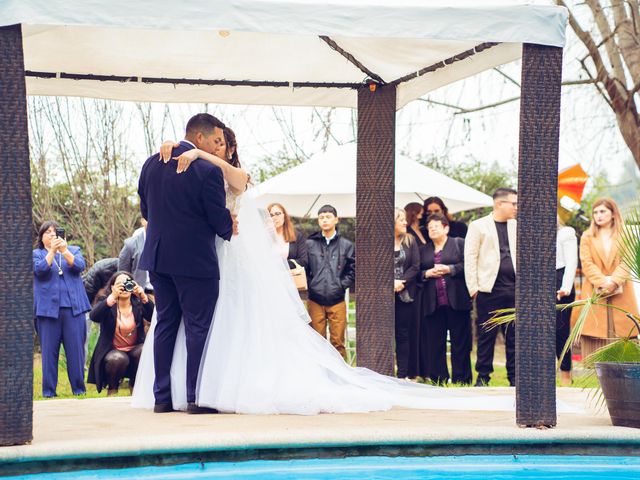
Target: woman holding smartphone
column 60, row 304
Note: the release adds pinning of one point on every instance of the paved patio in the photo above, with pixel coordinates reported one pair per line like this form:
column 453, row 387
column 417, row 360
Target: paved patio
column 106, row 431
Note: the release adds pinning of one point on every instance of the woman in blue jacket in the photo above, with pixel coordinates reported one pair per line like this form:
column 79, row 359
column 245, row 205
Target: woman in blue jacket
column 60, row 304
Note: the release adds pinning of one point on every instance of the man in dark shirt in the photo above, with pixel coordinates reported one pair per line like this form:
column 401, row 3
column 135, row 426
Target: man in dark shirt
column 506, row 280
column 490, row 274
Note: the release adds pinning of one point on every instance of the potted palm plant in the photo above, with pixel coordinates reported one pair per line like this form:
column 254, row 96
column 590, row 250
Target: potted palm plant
column 616, row 365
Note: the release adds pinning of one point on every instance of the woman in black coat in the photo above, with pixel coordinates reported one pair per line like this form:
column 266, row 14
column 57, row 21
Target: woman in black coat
column 406, row 268
column 436, row 205
column 121, row 317
column 417, row 358
column 446, row 304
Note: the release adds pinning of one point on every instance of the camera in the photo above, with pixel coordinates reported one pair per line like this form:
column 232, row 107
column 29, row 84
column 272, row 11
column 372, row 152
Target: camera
column 60, row 232
column 129, row 285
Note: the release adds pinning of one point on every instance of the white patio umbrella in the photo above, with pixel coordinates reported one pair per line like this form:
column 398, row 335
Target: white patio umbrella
column 330, row 178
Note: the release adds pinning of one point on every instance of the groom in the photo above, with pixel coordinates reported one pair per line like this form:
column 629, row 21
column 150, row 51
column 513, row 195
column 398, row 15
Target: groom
column 185, row 213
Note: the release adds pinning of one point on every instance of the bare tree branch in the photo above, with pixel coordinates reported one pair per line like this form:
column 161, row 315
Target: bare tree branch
column 609, row 43
column 627, row 39
column 485, row 107
column 463, row 110
column 635, row 16
column 625, row 59
column 511, row 79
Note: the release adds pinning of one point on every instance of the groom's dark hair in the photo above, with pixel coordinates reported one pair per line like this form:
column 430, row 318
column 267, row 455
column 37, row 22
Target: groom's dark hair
column 203, row 123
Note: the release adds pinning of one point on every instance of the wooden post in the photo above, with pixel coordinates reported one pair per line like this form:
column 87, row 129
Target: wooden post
column 374, row 228
column 537, row 226
column 16, row 240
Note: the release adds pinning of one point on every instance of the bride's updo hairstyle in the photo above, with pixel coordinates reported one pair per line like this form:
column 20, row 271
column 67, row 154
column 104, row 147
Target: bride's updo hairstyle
column 230, row 140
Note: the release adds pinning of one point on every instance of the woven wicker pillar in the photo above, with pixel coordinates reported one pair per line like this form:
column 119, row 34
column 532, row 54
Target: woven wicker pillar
column 374, row 229
column 536, row 256
column 16, row 276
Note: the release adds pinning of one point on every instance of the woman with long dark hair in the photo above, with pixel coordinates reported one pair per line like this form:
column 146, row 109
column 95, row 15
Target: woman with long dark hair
column 418, row 361
column 234, row 175
column 415, row 212
column 433, row 205
column 121, row 316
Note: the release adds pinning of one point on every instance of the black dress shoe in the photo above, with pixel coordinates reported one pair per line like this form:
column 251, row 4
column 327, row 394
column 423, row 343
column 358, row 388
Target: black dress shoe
column 194, row 409
column 482, row 382
column 163, row 408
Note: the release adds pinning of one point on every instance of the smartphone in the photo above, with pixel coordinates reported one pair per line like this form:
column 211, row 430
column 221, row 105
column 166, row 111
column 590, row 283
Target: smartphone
column 60, row 232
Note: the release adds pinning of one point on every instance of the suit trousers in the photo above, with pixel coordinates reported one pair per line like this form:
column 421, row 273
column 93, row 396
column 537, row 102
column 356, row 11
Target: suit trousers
column 188, row 299
column 458, row 323
column 69, row 330
column 336, row 316
column 486, row 304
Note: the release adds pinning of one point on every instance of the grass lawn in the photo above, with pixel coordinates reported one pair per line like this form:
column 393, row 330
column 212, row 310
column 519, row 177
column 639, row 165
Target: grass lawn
column 64, row 388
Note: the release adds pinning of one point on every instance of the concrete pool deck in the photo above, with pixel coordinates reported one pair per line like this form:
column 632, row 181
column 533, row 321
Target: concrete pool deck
column 97, row 431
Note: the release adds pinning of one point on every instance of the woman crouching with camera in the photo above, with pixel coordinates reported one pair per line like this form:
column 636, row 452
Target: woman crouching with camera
column 121, row 317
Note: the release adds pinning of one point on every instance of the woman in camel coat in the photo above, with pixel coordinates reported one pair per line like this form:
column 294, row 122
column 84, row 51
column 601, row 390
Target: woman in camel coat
column 603, row 271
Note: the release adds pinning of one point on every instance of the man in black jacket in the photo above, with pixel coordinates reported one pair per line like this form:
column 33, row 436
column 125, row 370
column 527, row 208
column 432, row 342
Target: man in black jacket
column 331, row 272
column 97, row 277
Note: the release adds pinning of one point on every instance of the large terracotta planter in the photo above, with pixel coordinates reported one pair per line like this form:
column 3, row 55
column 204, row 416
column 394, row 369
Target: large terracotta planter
column 620, row 384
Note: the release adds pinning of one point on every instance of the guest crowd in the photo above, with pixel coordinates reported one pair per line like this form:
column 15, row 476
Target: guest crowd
column 442, row 269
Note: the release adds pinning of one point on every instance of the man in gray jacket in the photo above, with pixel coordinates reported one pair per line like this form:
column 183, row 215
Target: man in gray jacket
column 130, row 256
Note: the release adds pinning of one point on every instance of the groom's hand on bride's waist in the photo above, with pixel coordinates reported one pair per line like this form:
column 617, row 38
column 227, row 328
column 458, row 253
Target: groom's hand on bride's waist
column 235, row 224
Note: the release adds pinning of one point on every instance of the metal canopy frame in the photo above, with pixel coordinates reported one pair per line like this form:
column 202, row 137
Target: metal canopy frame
column 371, row 77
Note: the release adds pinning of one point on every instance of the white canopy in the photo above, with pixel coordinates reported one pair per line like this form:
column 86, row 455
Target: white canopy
column 278, row 52
column 330, row 178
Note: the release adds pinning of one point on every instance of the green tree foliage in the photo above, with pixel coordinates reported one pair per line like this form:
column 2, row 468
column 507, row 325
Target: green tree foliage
column 270, row 166
column 476, row 173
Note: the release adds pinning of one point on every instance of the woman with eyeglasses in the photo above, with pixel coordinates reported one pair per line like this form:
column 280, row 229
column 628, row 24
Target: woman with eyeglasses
column 294, row 246
column 121, row 317
column 446, row 305
column 60, row 304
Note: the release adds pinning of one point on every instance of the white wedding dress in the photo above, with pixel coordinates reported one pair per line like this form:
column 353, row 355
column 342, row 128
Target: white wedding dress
column 262, row 357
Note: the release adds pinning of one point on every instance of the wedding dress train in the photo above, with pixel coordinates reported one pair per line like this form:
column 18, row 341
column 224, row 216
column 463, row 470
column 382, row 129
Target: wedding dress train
column 262, row 357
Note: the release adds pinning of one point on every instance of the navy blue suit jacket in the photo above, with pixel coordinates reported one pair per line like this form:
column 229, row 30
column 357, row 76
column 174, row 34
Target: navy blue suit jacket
column 185, row 213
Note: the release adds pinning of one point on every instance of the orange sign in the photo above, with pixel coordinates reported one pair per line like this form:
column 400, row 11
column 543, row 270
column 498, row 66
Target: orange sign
column 571, row 182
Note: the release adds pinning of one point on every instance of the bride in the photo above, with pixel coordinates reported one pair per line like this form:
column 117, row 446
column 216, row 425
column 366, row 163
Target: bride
column 261, row 356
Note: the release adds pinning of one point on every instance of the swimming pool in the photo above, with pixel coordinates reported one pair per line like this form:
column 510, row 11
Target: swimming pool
column 469, row 467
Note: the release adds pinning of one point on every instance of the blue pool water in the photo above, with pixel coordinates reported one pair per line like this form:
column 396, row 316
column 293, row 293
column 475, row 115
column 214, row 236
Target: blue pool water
column 498, row 467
